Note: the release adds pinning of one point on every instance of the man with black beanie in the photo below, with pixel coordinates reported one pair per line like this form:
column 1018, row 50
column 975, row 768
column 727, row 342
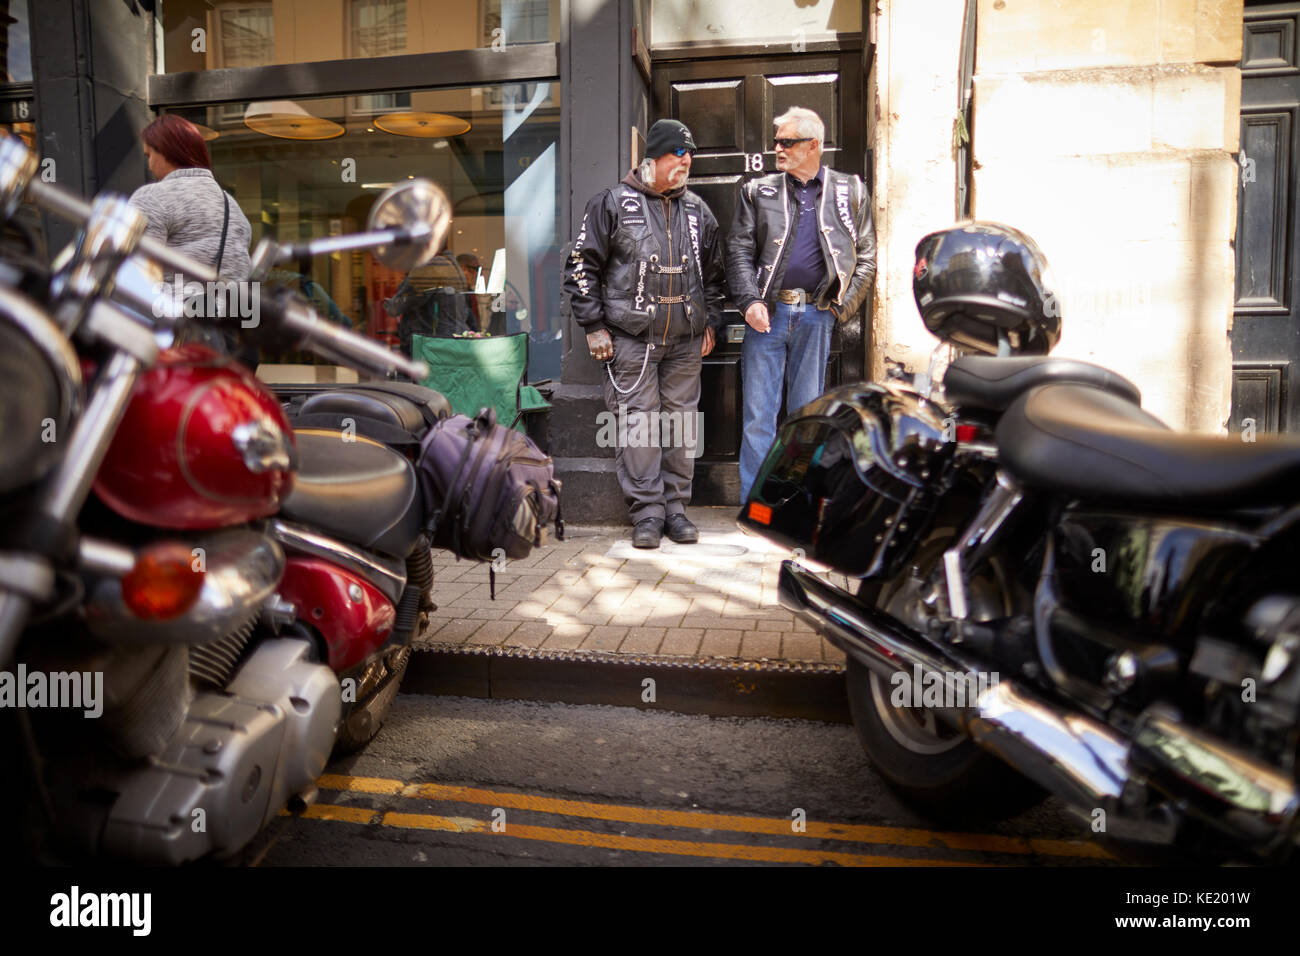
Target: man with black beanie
column 646, row 282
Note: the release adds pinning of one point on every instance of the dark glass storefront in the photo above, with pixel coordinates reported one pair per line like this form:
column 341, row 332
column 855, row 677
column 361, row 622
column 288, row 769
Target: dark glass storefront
column 312, row 167
column 303, row 165
column 17, row 106
column 520, row 109
column 204, row 35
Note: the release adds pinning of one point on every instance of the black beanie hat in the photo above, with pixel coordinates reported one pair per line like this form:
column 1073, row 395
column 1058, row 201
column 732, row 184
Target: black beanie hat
column 667, row 135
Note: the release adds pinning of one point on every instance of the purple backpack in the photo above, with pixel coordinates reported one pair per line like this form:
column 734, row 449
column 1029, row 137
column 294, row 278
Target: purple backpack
column 486, row 488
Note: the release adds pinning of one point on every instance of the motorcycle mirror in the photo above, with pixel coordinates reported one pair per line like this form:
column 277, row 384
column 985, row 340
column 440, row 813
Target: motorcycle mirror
column 423, row 210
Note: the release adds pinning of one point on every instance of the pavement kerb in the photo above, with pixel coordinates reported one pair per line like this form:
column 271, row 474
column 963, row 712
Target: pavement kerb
column 688, row 628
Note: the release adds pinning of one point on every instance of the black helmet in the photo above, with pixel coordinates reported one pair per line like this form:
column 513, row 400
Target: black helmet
column 979, row 279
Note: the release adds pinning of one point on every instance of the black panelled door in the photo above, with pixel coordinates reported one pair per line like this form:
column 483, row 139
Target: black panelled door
column 729, row 105
column 1266, row 312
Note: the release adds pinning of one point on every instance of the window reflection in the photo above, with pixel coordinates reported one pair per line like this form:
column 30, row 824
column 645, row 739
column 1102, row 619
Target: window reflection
column 15, row 42
column 378, row 27
column 494, row 151
column 245, row 35
column 17, row 104
column 205, row 35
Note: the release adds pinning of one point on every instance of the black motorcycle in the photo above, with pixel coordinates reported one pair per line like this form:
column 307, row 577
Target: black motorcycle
column 1051, row 590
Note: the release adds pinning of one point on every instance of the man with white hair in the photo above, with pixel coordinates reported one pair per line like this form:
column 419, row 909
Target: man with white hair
column 801, row 255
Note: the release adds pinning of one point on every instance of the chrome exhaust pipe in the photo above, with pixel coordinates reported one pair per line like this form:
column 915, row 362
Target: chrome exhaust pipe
column 1082, row 761
column 1233, row 791
column 1075, row 757
column 1079, row 759
column 871, row 637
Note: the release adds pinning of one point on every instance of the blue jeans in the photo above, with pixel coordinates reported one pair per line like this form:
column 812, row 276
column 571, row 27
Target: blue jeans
column 795, row 349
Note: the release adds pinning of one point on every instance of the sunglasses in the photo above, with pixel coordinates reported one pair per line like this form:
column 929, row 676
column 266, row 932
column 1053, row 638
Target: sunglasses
column 682, row 151
column 787, row 143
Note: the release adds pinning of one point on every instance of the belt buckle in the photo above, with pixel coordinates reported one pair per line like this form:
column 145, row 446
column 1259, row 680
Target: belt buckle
column 795, row 297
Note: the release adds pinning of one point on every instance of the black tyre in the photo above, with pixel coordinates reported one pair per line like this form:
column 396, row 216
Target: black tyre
column 934, row 767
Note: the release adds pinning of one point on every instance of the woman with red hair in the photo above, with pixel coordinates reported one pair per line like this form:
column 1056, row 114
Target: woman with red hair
column 186, row 208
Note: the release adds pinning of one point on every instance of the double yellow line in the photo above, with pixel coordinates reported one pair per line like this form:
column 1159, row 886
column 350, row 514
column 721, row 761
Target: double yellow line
column 771, row 826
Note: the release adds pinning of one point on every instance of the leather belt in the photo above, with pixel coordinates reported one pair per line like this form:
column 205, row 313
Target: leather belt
column 792, row 296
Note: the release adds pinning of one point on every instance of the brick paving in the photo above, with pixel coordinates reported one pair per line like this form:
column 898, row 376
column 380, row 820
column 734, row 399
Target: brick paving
column 594, row 591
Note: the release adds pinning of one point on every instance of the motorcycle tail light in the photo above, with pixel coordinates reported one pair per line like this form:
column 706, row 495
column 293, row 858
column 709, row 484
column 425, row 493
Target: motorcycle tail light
column 760, row 513
column 164, row 583
column 966, row 433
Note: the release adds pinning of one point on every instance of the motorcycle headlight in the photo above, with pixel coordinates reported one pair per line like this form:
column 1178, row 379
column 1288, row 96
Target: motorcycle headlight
column 40, row 388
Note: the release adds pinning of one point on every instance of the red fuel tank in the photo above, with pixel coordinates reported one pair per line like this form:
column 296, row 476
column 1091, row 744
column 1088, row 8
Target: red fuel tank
column 203, row 445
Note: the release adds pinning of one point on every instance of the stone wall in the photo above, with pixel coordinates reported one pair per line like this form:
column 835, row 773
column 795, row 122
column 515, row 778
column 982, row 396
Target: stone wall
column 1107, row 131
column 913, row 98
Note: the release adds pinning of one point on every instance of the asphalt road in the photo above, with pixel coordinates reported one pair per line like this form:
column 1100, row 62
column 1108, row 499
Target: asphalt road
column 457, row 781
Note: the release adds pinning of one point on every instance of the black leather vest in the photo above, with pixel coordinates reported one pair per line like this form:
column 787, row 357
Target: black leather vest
column 653, row 285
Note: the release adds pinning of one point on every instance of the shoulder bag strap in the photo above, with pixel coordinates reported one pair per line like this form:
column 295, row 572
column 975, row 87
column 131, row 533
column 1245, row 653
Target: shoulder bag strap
column 225, row 224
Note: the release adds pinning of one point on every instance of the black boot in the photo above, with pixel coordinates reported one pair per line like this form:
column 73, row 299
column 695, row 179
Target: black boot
column 681, row 530
column 647, row 533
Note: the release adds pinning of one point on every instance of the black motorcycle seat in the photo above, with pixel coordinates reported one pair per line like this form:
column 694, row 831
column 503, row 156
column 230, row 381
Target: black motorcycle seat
column 356, row 490
column 989, row 383
column 1092, row 444
column 406, row 406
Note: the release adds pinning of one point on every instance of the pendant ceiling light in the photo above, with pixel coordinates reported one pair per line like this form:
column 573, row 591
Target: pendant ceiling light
column 287, row 120
column 422, row 125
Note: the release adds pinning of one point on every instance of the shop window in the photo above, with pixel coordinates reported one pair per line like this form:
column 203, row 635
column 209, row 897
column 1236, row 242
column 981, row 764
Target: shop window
column 15, row 42
column 243, row 38
column 245, row 35
column 17, row 103
column 313, row 167
column 750, row 21
column 378, row 28
column 203, row 34
column 520, row 21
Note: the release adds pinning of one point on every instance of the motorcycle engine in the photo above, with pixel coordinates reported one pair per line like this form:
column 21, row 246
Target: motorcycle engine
column 1252, row 692
column 233, row 761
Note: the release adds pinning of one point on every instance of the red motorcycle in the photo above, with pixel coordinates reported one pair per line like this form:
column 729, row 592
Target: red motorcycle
column 235, row 600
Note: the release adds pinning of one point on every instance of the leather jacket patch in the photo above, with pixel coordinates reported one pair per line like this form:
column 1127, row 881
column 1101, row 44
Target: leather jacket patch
column 842, row 209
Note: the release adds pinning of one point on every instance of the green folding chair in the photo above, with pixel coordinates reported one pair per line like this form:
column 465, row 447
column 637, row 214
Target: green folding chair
column 479, row 373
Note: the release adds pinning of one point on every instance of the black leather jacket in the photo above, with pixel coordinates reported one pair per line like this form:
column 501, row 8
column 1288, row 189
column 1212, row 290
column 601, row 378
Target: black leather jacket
column 644, row 263
column 763, row 232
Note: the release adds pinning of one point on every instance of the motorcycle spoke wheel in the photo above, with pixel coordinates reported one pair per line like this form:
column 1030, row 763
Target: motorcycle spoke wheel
column 930, row 763
column 915, row 728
